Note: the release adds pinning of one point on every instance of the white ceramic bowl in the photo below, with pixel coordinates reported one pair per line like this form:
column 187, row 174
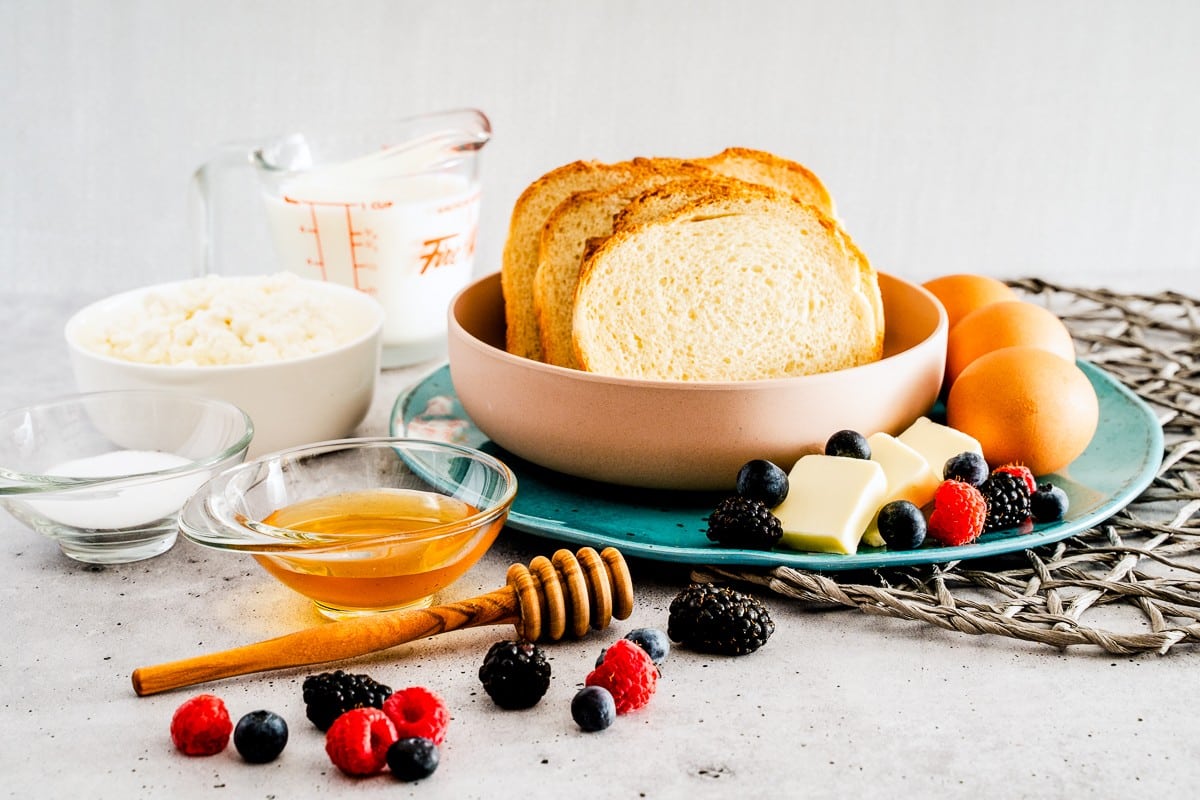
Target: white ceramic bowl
column 686, row 435
column 294, row 401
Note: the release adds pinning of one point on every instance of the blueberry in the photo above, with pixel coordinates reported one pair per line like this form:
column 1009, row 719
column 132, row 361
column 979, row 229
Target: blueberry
column 260, row 736
column 848, row 444
column 761, row 480
column 653, row 641
column 413, row 758
column 593, row 708
column 600, row 658
column 1048, row 504
column 967, row 467
column 902, row 525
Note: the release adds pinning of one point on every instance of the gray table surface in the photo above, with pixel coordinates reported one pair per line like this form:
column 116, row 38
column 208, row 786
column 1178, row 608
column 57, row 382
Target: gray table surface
column 836, row 703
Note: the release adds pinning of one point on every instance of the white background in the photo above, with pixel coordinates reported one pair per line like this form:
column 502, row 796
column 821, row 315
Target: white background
column 1056, row 139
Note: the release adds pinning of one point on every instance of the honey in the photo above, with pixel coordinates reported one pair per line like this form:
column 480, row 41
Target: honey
column 386, row 557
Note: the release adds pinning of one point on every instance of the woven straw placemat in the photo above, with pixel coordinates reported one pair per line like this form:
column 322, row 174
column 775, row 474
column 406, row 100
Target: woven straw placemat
column 1128, row 585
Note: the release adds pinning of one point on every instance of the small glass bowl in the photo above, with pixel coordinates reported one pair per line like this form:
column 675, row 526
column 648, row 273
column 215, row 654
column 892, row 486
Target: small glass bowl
column 106, row 473
column 359, row 526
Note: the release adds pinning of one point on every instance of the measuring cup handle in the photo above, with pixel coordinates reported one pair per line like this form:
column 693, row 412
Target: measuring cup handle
column 202, row 200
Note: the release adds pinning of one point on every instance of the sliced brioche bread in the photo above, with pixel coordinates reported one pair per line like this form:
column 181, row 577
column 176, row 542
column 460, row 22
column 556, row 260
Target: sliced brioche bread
column 583, row 216
column 519, row 259
column 768, row 169
column 758, row 285
column 670, row 197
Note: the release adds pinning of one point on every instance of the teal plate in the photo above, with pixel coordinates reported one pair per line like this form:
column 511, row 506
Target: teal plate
column 1120, row 462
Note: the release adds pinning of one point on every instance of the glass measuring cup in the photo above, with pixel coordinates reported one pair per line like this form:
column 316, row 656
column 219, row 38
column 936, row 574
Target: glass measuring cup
column 391, row 212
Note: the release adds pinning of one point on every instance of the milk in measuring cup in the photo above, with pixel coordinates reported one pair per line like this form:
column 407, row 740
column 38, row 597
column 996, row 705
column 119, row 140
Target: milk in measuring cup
column 409, row 241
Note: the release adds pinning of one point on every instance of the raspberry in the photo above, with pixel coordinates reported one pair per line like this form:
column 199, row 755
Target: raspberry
column 959, row 512
column 201, row 726
column 417, row 713
column 1019, row 471
column 357, row 742
column 628, row 674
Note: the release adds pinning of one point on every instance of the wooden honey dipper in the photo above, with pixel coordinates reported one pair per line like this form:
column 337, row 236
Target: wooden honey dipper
column 552, row 597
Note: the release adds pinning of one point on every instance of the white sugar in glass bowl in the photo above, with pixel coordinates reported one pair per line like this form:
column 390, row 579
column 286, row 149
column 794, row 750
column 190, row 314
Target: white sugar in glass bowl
column 300, row 357
column 105, row 474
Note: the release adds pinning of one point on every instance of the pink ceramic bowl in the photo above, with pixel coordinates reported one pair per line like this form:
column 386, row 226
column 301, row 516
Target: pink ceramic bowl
column 680, row 435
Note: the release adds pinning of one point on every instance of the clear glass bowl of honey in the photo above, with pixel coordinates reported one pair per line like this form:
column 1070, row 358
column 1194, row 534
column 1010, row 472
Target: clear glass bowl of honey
column 359, row 526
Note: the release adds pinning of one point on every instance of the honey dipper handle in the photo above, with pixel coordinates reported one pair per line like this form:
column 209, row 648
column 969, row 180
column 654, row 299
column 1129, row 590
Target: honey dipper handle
column 330, row 642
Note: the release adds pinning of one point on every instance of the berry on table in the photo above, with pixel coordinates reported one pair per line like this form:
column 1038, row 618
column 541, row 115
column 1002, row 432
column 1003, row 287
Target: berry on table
column 1049, row 503
column 1007, row 501
column 260, row 736
column 902, row 525
column 742, row 522
column 718, row 619
column 763, row 481
column 515, row 674
column 655, row 642
column 628, row 674
column 357, row 742
column 413, row 758
column 201, row 726
column 593, row 708
column 328, row 695
column 968, row 467
column 848, row 444
column 959, row 513
column 417, row 712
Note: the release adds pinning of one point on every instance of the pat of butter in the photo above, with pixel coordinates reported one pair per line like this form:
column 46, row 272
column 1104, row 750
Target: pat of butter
column 908, row 477
column 830, row 501
column 938, row 443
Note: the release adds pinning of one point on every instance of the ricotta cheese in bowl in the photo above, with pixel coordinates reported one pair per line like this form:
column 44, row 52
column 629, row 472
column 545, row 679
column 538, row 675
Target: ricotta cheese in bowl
column 300, row 357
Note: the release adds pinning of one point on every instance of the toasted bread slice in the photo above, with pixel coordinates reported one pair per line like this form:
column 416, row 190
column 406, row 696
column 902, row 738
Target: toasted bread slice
column 758, row 285
column 768, row 169
column 583, row 216
column 670, row 197
column 519, row 260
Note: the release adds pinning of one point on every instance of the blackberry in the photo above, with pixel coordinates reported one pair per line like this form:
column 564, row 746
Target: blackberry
column 260, row 736
column 848, row 444
column 902, row 525
column 413, row 758
column 742, row 522
column 653, row 641
column 593, row 708
column 968, row 467
column 719, row 619
column 762, row 480
column 515, row 674
column 1007, row 499
column 1048, row 504
column 328, row 695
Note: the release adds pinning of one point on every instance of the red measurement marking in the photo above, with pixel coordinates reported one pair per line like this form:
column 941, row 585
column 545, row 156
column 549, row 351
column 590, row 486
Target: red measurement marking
column 315, row 230
column 358, row 238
